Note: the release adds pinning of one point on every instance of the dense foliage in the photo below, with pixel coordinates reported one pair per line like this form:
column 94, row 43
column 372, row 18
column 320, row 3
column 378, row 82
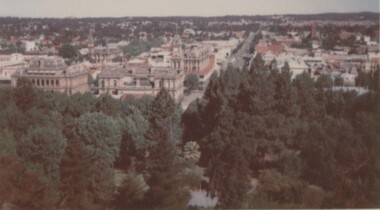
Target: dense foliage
column 191, row 81
column 307, row 145
column 82, row 152
column 137, row 47
column 263, row 140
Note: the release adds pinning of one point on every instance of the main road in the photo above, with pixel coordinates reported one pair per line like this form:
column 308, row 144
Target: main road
column 242, row 56
column 238, row 60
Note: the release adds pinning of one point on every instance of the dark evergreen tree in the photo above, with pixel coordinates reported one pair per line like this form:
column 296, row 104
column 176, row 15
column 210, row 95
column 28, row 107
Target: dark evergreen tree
column 43, row 148
column 24, row 95
column 88, row 165
column 167, row 190
column 324, row 81
column 107, row 105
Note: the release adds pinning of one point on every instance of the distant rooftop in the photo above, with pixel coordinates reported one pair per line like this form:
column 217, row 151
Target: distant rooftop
column 47, row 63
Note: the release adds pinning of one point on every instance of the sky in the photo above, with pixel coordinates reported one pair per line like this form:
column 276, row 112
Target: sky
column 122, row 8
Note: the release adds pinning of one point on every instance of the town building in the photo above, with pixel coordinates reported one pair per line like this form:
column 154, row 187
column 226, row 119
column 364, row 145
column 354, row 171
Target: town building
column 9, row 66
column 196, row 59
column 142, row 80
column 30, row 46
column 102, row 54
column 52, row 74
column 274, row 47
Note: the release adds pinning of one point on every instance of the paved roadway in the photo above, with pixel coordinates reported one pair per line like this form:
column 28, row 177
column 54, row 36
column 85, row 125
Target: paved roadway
column 237, row 60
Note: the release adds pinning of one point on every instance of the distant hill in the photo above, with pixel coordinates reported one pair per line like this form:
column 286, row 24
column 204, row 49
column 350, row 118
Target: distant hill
column 323, row 16
column 338, row 16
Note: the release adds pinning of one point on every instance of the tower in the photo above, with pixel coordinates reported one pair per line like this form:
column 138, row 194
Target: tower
column 314, row 30
column 177, row 52
column 91, row 40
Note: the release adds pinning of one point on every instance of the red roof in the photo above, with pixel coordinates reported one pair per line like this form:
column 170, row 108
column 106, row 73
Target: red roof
column 166, row 46
column 137, row 96
column 275, row 48
column 209, row 67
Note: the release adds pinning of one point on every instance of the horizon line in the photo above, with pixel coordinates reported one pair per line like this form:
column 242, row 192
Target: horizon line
column 202, row 16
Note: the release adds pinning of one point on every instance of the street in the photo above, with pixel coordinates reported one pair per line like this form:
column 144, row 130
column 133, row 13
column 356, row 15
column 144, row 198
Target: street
column 237, row 60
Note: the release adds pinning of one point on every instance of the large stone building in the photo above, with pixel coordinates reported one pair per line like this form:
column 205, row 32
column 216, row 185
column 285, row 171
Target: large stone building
column 52, row 74
column 191, row 58
column 8, row 66
column 160, row 68
column 101, row 54
column 195, row 59
column 120, row 81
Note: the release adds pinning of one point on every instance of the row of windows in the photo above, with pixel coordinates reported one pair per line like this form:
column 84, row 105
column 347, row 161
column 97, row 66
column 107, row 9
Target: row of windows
column 45, row 82
column 194, row 68
column 114, row 83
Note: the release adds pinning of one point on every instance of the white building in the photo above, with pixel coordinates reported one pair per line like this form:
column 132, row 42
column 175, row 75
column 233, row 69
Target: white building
column 222, row 48
column 297, row 65
column 9, row 67
column 30, row 46
column 138, row 81
column 159, row 58
column 348, row 79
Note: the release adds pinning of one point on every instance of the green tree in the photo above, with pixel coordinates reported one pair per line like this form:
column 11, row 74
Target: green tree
column 67, row 51
column 137, row 126
column 191, row 81
column 307, row 96
column 24, row 95
column 100, row 134
column 165, row 118
column 79, row 104
column 88, row 166
column 7, row 143
column 43, row 147
column 24, row 188
column 107, row 105
column 324, row 81
column 132, row 192
column 229, row 178
column 277, row 190
column 167, row 190
column 258, row 63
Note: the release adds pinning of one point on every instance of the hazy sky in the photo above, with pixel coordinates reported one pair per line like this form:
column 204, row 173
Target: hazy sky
column 120, row 8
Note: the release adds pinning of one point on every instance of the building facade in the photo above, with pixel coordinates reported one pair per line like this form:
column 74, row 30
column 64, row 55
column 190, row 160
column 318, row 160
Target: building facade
column 104, row 54
column 52, row 74
column 195, row 59
column 9, row 66
column 119, row 81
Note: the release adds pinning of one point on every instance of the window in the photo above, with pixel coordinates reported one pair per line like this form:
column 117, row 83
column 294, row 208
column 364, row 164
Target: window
column 42, row 82
column 47, row 82
column 56, row 82
column 115, row 83
column 38, row 82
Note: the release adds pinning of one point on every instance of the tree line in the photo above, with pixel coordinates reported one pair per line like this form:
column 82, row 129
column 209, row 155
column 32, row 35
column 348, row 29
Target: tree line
column 307, row 145
column 262, row 140
column 82, row 152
